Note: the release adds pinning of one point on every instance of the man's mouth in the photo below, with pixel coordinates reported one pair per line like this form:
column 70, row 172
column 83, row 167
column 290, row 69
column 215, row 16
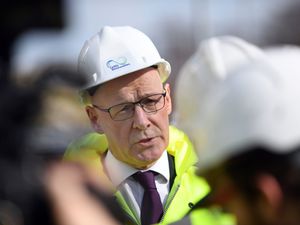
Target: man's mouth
column 145, row 140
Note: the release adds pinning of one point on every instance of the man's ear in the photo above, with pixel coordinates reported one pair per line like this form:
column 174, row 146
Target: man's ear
column 94, row 119
column 168, row 99
column 271, row 191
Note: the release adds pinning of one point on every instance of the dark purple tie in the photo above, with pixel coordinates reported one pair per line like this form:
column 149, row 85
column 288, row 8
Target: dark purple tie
column 152, row 209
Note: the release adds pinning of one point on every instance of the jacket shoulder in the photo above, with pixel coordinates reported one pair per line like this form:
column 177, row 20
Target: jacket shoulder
column 182, row 149
column 87, row 148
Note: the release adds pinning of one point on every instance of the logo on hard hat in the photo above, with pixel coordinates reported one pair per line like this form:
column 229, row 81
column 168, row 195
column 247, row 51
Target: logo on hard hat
column 117, row 64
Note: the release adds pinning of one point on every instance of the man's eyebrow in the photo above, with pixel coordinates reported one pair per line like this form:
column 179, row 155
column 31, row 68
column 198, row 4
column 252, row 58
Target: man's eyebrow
column 144, row 95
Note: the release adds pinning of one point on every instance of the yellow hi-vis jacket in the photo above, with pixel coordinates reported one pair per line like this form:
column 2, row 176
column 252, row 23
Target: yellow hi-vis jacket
column 187, row 188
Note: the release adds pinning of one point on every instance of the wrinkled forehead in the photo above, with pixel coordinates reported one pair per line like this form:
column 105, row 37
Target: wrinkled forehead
column 142, row 82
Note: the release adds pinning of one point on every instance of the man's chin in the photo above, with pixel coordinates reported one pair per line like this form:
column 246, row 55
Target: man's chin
column 148, row 157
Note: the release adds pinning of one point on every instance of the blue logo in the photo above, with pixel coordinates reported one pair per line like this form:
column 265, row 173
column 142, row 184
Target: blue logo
column 117, row 64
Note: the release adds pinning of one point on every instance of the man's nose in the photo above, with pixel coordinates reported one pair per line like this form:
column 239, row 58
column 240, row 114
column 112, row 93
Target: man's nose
column 140, row 118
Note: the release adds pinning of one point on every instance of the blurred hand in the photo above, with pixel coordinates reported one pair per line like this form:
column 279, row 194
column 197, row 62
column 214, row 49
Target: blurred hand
column 66, row 185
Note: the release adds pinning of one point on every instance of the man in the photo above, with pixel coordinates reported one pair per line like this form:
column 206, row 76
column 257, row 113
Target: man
column 127, row 101
column 250, row 155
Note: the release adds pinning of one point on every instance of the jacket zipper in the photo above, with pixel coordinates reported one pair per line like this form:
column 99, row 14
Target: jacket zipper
column 167, row 207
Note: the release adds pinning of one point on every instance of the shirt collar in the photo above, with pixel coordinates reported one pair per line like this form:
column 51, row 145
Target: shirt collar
column 119, row 171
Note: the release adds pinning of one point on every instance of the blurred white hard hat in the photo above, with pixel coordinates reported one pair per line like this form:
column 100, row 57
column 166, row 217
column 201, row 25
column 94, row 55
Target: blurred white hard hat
column 211, row 64
column 117, row 51
column 257, row 103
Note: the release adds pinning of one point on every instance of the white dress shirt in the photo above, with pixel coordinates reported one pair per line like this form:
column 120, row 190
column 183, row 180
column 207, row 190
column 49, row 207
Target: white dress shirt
column 120, row 175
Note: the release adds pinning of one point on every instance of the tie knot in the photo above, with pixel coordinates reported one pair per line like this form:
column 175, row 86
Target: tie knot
column 146, row 179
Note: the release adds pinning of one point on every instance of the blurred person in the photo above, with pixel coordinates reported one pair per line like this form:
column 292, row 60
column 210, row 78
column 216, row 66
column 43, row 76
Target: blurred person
column 25, row 198
column 215, row 59
column 26, row 195
column 248, row 137
column 127, row 101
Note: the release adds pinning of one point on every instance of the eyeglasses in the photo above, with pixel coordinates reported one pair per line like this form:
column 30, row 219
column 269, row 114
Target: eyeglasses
column 150, row 104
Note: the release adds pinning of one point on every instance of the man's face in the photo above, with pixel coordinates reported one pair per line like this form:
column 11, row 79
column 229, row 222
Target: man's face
column 140, row 140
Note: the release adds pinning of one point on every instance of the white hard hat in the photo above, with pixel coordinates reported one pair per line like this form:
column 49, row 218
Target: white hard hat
column 211, row 64
column 256, row 104
column 117, row 51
